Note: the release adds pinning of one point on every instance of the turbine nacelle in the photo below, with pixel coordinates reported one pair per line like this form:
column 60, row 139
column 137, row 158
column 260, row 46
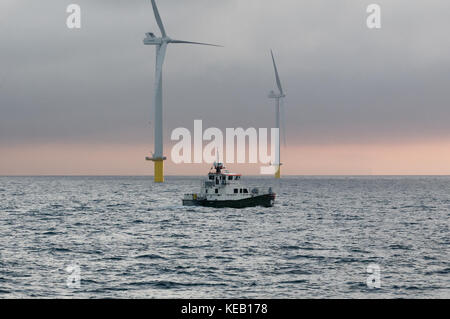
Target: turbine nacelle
column 151, row 39
column 273, row 95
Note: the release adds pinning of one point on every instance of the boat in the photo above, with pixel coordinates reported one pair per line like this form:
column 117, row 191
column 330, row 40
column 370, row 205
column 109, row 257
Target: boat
column 223, row 189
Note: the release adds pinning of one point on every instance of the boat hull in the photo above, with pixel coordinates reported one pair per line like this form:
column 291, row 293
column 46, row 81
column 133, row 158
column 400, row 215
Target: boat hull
column 266, row 200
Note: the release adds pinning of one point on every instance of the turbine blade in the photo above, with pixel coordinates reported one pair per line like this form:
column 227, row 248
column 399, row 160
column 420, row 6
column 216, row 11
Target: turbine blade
column 283, row 121
column 158, row 19
column 160, row 56
column 276, row 74
column 190, row 42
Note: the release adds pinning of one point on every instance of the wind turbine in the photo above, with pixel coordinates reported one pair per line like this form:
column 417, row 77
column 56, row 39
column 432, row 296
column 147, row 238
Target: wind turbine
column 279, row 98
column 161, row 46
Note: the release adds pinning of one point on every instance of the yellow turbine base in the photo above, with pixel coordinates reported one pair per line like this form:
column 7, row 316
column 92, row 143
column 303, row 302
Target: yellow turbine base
column 159, row 171
column 278, row 172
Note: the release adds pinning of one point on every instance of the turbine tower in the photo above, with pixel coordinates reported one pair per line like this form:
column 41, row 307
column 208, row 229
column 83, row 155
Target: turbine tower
column 279, row 98
column 161, row 46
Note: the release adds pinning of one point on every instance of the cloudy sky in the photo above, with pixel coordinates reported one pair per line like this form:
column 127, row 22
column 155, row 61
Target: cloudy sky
column 359, row 101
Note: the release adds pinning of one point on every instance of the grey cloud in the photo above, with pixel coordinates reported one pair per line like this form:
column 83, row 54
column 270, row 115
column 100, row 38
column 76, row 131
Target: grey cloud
column 345, row 83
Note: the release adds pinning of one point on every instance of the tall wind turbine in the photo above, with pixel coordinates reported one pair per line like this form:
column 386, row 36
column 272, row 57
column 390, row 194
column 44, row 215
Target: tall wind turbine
column 279, row 98
column 161, row 46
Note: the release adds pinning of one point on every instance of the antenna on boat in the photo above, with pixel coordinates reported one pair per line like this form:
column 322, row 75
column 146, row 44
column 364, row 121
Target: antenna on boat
column 217, row 164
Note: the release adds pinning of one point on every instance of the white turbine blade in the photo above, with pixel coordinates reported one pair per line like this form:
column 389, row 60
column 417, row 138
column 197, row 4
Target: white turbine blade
column 190, row 42
column 160, row 56
column 276, row 74
column 283, row 120
column 158, row 19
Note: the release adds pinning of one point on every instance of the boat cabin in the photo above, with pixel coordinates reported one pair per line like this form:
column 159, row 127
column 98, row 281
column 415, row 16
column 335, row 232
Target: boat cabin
column 221, row 182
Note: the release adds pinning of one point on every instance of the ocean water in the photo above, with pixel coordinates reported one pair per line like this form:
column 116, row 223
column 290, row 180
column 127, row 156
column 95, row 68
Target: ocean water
column 131, row 238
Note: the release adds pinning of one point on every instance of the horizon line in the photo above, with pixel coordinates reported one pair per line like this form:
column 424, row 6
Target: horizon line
column 182, row 175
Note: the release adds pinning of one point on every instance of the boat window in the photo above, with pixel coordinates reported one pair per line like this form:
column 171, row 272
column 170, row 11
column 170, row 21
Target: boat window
column 230, row 178
column 206, row 191
column 240, row 190
column 245, row 190
column 211, row 177
column 217, row 191
column 236, row 191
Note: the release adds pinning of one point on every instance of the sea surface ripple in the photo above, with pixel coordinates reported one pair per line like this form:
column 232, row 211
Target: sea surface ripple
column 134, row 239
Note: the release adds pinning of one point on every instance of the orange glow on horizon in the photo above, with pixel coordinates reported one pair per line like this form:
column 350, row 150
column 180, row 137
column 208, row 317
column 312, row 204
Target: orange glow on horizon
column 431, row 158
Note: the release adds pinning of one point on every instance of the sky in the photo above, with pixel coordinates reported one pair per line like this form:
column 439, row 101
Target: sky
column 359, row 100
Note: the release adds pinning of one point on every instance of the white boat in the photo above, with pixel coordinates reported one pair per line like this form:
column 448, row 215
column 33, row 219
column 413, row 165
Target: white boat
column 224, row 189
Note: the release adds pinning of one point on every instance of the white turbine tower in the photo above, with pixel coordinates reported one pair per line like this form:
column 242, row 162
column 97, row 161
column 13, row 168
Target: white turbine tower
column 279, row 98
column 161, row 46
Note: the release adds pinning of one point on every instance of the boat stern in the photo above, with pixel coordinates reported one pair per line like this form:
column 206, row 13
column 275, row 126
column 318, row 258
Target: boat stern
column 190, row 199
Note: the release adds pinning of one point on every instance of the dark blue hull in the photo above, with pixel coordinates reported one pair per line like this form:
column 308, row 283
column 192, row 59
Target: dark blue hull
column 266, row 200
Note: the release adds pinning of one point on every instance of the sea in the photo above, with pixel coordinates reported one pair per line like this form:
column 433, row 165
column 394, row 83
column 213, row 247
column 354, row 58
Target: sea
column 126, row 237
